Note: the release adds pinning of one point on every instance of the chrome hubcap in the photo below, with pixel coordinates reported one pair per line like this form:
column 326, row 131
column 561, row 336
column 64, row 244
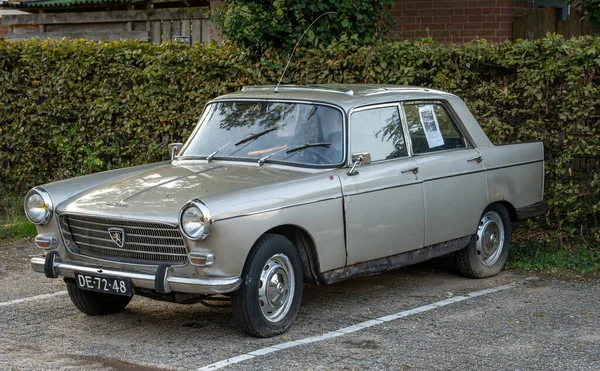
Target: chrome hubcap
column 490, row 238
column 276, row 288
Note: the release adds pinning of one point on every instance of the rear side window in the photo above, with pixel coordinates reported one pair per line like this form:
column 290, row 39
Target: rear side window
column 431, row 128
column 379, row 132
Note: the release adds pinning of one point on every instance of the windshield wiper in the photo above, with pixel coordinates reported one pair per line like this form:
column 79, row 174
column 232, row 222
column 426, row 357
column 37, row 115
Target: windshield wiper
column 307, row 145
column 254, row 136
column 212, row 155
column 262, row 160
column 242, row 141
column 293, row 150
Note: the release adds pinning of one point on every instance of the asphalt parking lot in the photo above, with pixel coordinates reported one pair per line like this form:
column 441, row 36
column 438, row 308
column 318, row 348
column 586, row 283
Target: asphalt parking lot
column 425, row 317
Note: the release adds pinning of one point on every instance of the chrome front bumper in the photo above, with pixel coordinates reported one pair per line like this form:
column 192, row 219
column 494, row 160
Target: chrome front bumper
column 170, row 283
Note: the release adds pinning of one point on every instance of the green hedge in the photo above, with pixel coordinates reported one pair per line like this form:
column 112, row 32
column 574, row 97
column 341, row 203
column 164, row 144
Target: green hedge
column 73, row 107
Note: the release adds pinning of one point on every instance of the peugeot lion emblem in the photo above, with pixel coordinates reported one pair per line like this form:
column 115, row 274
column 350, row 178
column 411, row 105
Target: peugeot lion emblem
column 117, row 235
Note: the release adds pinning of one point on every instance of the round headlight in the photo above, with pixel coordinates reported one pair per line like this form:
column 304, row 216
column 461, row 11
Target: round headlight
column 195, row 220
column 38, row 206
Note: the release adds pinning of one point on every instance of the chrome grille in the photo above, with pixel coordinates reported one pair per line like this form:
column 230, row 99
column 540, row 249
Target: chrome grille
column 145, row 242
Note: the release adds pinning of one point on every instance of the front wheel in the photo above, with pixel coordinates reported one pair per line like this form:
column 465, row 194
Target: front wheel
column 486, row 253
column 95, row 303
column 269, row 298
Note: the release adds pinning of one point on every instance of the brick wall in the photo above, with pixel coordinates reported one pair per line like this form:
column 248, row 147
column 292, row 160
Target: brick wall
column 3, row 29
column 458, row 21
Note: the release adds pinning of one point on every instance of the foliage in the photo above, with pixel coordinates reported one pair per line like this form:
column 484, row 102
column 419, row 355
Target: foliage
column 545, row 251
column 259, row 25
column 13, row 223
column 69, row 108
column 589, row 8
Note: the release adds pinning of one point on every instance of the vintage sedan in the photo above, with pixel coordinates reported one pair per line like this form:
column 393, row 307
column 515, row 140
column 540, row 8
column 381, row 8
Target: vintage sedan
column 278, row 186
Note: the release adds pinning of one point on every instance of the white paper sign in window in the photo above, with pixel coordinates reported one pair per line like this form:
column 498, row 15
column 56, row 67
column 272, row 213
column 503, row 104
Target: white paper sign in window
column 431, row 126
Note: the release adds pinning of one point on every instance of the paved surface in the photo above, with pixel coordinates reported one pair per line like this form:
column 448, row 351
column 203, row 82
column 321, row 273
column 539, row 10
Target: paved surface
column 537, row 324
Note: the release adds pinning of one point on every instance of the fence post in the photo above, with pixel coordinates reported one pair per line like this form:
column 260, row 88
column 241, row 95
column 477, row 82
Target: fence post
column 546, row 21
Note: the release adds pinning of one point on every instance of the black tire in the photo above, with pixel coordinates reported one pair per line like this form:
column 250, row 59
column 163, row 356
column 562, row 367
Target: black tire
column 94, row 303
column 477, row 259
column 274, row 259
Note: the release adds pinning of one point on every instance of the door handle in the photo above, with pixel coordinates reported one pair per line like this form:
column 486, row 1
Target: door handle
column 478, row 159
column 414, row 170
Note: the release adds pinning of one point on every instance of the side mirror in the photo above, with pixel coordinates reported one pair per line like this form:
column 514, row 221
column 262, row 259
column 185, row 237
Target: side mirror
column 363, row 158
column 174, row 149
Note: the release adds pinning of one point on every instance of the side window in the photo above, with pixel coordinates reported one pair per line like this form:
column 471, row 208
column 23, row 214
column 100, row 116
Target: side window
column 431, row 128
column 379, row 132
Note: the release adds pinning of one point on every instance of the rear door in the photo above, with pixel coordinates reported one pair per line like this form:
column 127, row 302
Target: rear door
column 452, row 171
column 384, row 201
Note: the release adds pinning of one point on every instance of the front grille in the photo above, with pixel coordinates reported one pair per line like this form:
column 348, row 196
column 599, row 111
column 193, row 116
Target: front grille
column 144, row 243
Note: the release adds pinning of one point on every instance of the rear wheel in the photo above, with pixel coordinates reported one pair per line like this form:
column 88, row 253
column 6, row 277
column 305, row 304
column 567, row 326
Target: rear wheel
column 487, row 251
column 269, row 298
column 94, row 303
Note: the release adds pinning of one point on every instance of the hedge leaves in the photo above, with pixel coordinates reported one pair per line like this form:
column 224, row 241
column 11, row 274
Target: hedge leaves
column 69, row 108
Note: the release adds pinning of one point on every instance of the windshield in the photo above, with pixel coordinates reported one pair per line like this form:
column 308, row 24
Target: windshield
column 298, row 133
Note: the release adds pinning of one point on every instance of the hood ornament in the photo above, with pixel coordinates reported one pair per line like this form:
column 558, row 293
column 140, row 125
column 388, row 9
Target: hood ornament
column 117, row 235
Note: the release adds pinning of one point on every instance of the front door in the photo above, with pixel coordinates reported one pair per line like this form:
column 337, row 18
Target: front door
column 384, row 201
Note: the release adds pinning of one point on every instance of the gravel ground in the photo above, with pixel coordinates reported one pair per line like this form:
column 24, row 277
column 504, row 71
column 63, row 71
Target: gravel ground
column 541, row 323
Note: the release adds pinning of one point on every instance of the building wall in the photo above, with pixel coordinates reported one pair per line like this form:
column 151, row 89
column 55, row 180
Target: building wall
column 458, row 21
column 3, row 29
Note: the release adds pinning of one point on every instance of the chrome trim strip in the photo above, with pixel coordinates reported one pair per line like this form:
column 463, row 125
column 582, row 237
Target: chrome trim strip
column 373, row 106
column 403, row 89
column 271, row 89
column 407, row 140
column 121, row 263
column 128, row 243
column 438, row 178
column 128, row 235
column 356, row 193
column 117, row 220
column 132, row 251
column 113, row 224
column 278, row 208
column 161, row 237
column 216, row 285
column 513, row 165
column 454, row 175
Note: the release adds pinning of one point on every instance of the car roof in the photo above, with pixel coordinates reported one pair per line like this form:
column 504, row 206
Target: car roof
column 347, row 96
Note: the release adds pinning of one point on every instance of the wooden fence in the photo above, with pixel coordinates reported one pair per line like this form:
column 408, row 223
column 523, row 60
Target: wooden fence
column 536, row 24
column 159, row 25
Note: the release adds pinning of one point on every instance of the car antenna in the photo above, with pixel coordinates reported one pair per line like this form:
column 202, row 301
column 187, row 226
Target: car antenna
column 295, row 46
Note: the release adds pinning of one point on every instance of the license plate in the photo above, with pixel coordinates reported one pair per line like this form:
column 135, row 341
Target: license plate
column 107, row 285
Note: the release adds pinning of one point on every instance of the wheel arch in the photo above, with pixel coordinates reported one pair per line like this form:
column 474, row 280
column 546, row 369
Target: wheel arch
column 512, row 211
column 306, row 247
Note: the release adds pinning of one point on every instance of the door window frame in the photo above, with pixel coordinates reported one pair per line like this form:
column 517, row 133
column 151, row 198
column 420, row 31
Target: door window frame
column 452, row 115
column 403, row 126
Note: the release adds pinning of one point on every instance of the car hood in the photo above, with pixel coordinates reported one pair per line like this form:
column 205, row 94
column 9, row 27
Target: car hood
column 159, row 193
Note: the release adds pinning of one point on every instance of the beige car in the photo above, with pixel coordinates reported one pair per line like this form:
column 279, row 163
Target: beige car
column 280, row 186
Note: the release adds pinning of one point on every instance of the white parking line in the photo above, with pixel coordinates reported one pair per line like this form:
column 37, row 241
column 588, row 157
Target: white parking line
column 32, row 298
column 350, row 329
